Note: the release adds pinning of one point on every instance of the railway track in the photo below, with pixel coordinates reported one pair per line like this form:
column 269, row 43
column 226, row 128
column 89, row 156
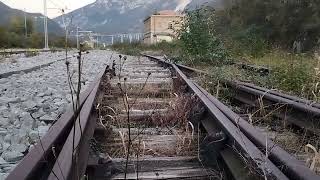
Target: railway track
column 30, row 69
column 299, row 112
column 177, row 131
column 23, row 51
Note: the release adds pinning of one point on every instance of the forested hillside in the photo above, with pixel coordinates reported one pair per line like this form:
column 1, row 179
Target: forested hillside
column 277, row 22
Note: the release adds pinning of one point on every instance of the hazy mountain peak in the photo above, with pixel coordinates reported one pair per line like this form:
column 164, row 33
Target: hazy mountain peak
column 120, row 16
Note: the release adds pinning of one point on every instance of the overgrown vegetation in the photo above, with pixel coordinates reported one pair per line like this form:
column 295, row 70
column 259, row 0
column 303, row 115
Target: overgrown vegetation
column 199, row 41
column 134, row 49
column 276, row 22
column 280, row 35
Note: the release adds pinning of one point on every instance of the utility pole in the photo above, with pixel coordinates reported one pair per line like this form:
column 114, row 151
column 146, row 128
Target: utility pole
column 97, row 42
column 45, row 20
column 25, row 24
column 112, row 39
column 77, row 37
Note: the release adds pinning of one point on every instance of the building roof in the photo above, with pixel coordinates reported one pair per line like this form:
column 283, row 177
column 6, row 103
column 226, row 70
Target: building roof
column 164, row 13
column 167, row 12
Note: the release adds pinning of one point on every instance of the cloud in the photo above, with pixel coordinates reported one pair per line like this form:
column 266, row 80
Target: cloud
column 182, row 5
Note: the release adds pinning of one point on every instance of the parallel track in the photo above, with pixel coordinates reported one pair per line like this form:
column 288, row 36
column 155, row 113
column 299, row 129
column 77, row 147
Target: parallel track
column 300, row 112
column 28, row 70
column 10, row 52
column 238, row 145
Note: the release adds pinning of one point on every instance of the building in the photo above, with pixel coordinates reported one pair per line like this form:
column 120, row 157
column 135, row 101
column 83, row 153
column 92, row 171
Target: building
column 162, row 26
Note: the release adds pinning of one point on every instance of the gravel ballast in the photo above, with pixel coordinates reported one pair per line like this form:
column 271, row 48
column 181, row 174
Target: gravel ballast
column 30, row 102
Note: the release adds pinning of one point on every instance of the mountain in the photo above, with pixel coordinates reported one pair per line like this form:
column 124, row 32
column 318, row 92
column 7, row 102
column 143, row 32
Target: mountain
column 6, row 13
column 116, row 16
column 194, row 4
column 121, row 16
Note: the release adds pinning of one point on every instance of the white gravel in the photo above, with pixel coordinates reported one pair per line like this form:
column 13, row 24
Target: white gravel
column 42, row 94
column 20, row 62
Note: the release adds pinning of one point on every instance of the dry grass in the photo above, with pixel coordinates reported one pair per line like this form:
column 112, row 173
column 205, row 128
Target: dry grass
column 175, row 124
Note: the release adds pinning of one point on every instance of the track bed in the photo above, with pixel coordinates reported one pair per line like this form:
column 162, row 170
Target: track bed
column 163, row 140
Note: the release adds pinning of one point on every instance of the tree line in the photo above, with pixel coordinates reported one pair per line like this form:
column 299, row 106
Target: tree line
column 19, row 33
column 251, row 27
column 278, row 22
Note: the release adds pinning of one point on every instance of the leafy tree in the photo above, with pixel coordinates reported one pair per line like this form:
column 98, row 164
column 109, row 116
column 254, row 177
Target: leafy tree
column 3, row 37
column 199, row 41
column 30, row 26
column 279, row 21
column 17, row 25
column 36, row 40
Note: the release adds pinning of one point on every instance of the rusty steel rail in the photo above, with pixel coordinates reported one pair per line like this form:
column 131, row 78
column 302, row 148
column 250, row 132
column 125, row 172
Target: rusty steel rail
column 300, row 112
column 293, row 168
column 238, row 139
column 40, row 160
column 54, row 157
column 12, row 51
column 297, row 111
column 72, row 160
column 289, row 97
column 233, row 123
column 263, row 71
column 7, row 74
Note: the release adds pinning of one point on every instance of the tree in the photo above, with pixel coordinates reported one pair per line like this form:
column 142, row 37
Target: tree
column 3, row 37
column 280, row 22
column 198, row 39
column 36, row 40
column 30, row 26
column 17, row 25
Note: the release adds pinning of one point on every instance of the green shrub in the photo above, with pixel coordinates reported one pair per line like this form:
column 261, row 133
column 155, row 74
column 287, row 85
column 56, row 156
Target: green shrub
column 293, row 78
column 198, row 41
column 251, row 41
column 31, row 53
column 135, row 49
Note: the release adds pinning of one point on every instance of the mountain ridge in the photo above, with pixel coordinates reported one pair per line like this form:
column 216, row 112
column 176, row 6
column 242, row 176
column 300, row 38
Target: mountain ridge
column 123, row 16
column 115, row 16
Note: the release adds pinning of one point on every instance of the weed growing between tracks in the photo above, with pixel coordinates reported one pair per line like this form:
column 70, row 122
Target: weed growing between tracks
column 135, row 49
column 264, row 118
column 127, row 137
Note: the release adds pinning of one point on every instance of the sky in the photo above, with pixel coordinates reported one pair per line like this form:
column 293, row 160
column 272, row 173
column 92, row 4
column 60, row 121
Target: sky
column 36, row 6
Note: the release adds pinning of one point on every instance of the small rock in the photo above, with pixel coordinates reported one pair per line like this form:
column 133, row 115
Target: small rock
column 13, row 117
column 47, row 118
column 7, row 138
column 2, row 161
column 5, row 146
column 6, row 100
column 29, row 105
column 4, row 122
column 39, row 113
column 41, row 95
column 27, row 122
column 46, row 108
column 12, row 156
column 18, row 148
column 3, row 176
column 33, row 137
column 9, row 168
column 43, row 130
column 3, row 132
